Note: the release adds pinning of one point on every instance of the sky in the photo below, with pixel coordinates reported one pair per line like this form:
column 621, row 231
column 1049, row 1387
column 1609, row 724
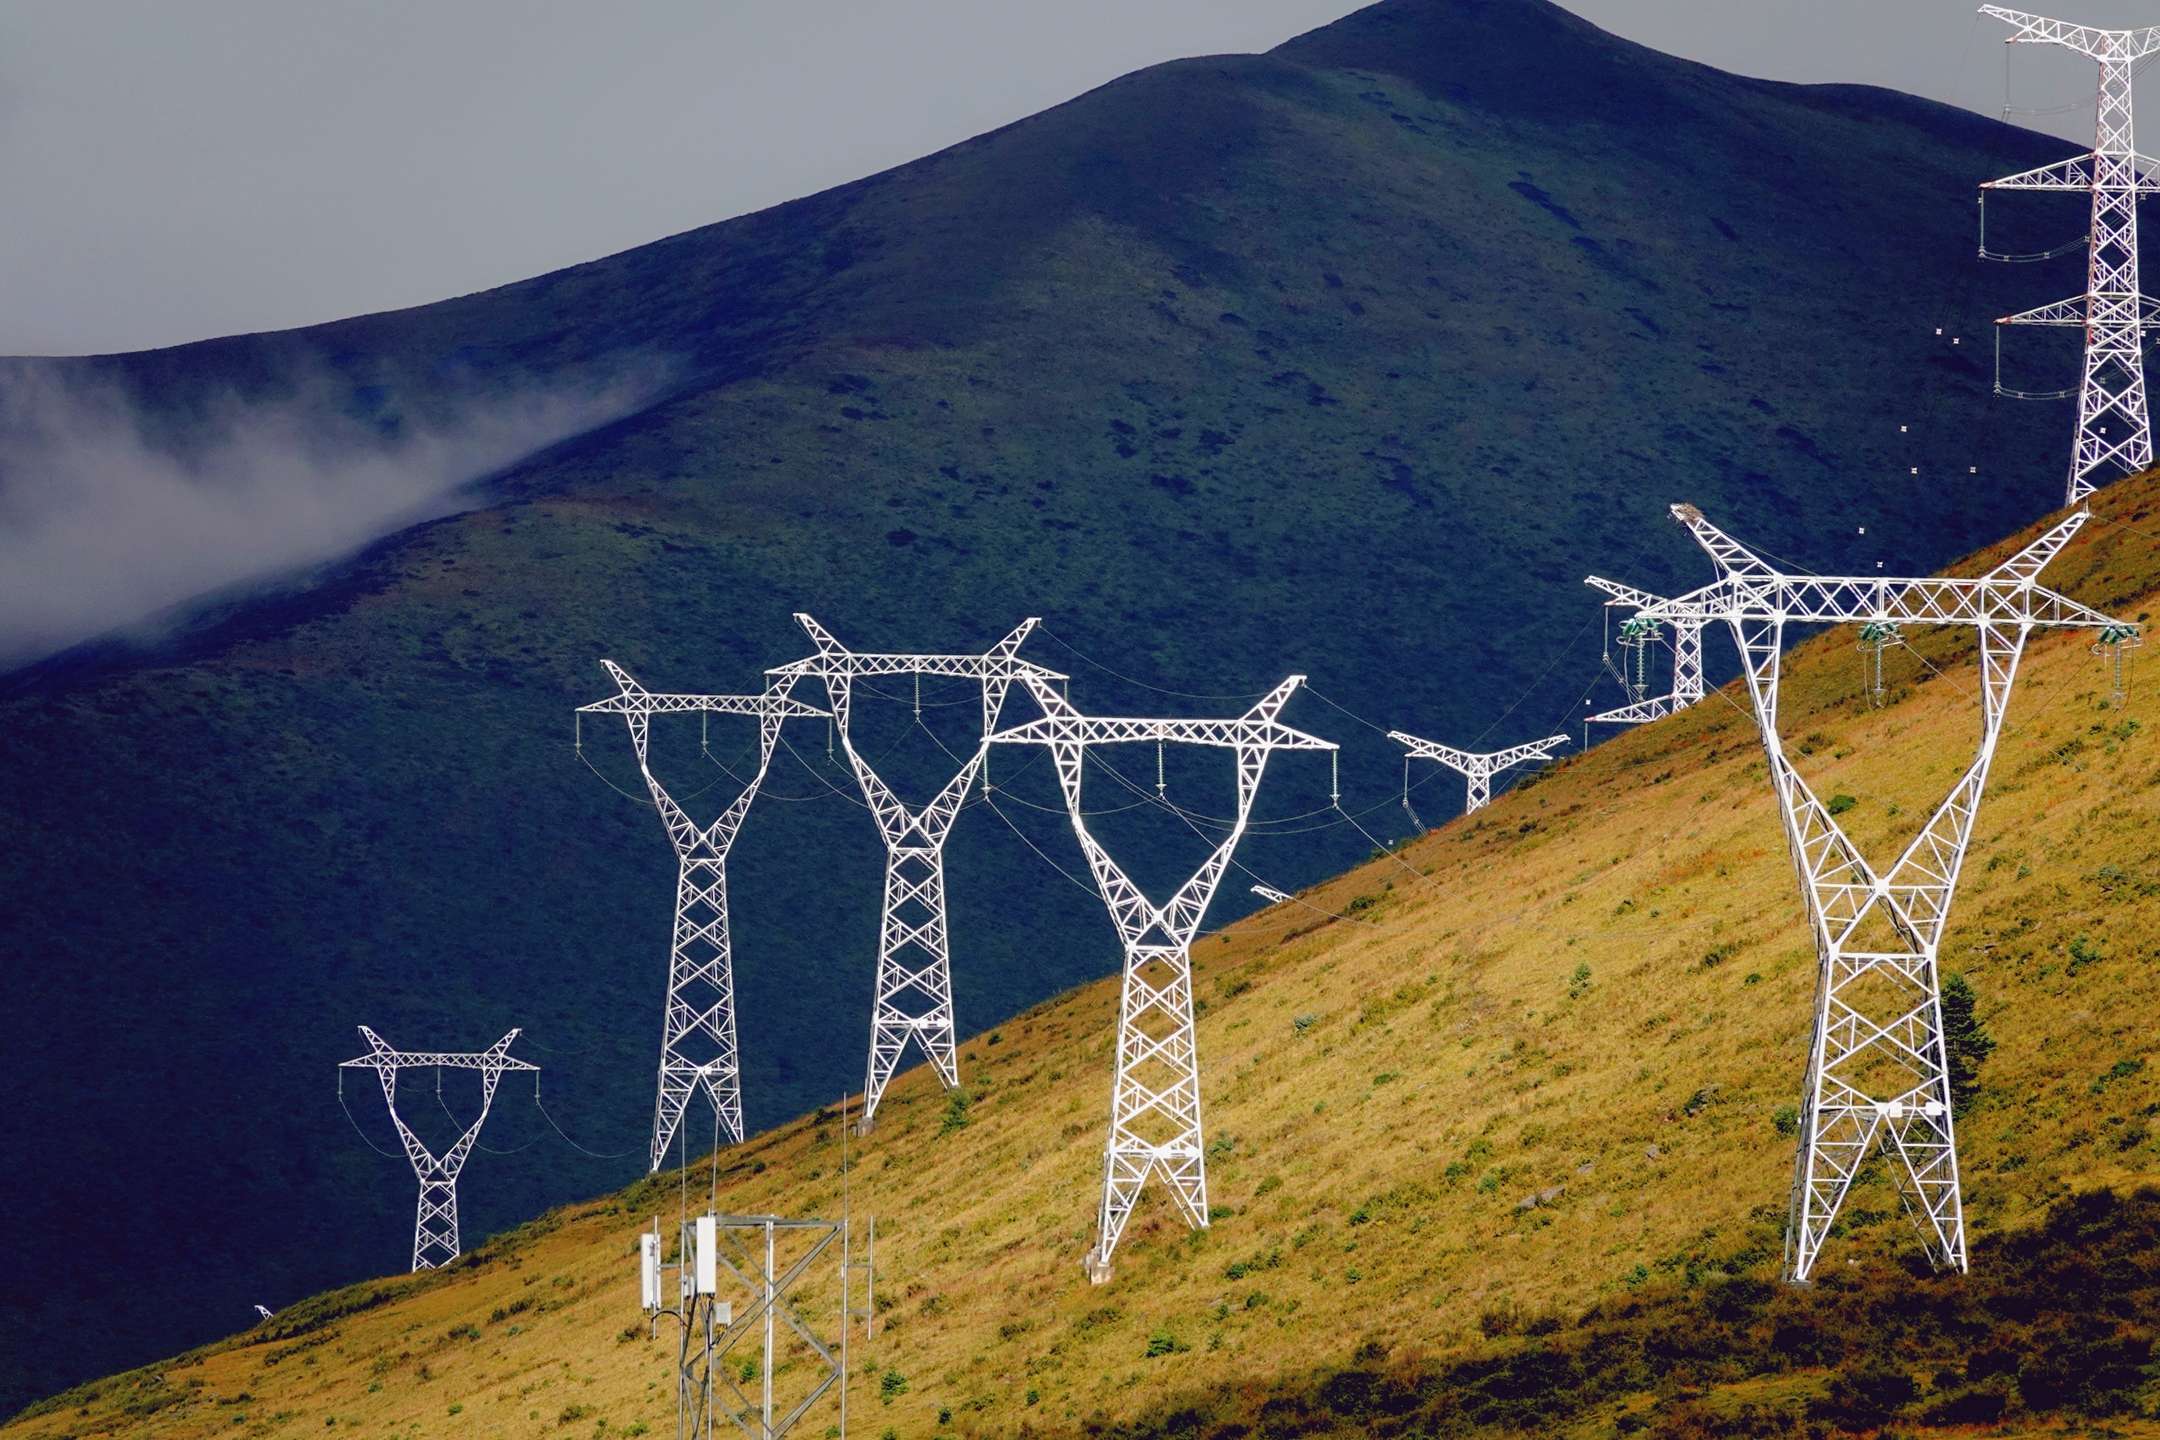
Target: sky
column 175, row 172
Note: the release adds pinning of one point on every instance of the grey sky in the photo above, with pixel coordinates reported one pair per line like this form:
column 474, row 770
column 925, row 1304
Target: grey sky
column 176, row 171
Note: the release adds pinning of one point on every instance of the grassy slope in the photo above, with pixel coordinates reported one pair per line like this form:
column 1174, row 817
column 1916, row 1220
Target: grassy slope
column 1383, row 1093
column 1371, row 352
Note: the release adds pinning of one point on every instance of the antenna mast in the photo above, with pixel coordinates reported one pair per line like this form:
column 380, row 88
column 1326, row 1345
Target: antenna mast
column 2114, row 428
column 1877, row 1064
column 435, row 1226
column 1155, row 1099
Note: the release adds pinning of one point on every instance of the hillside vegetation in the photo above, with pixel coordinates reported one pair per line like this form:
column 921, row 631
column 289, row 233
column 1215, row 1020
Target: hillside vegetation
column 1501, row 1147
column 1348, row 359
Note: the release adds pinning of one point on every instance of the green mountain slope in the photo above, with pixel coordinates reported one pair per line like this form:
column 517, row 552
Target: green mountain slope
column 1350, row 358
column 1498, row 1140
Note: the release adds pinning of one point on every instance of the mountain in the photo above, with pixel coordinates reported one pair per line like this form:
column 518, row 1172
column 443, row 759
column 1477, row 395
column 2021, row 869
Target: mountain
column 1348, row 359
column 1499, row 1140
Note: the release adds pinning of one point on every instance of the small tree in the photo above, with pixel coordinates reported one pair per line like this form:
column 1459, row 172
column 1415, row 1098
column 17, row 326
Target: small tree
column 1965, row 1041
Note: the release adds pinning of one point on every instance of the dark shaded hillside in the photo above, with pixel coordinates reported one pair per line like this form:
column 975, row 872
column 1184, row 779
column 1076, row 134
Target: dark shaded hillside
column 1351, row 359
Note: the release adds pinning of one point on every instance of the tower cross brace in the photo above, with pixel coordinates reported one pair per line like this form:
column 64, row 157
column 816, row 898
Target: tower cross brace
column 698, row 1046
column 913, row 999
column 435, row 1224
column 2114, row 426
column 1155, row 1095
column 1877, row 1064
column 1687, row 667
column 1477, row 766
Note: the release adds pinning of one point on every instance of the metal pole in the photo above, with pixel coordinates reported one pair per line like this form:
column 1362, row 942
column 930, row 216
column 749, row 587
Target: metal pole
column 769, row 1296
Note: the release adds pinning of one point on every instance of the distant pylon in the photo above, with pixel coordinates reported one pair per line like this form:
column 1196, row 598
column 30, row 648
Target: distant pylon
column 914, row 972
column 1687, row 666
column 435, row 1226
column 1477, row 766
column 2114, row 426
column 698, row 1047
column 1877, row 1063
column 1155, row 1099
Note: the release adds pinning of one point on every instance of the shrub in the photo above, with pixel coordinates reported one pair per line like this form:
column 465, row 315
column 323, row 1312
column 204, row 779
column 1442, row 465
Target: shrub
column 1967, row 1043
column 1840, row 803
column 956, row 1112
column 1162, row 1342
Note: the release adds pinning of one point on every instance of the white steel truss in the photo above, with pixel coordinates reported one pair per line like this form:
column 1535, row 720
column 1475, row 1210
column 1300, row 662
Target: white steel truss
column 698, row 1047
column 1155, row 1097
column 1477, row 766
column 435, row 1226
column 1687, row 666
column 2114, row 427
column 914, row 970
column 1877, row 1067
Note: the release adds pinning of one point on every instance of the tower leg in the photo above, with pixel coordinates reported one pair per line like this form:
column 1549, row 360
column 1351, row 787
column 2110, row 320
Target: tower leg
column 697, row 1040
column 435, row 1224
column 914, row 975
column 1154, row 1100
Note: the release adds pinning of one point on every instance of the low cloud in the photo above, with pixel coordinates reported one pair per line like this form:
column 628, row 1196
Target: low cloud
column 103, row 527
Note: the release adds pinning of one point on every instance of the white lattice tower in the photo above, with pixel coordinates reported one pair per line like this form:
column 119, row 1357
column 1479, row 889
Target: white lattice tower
column 435, row 1224
column 1155, row 1097
column 914, row 971
column 1477, row 766
column 1877, row 1064
column 1687, row 666
column 2114, row 426
column 698, row 1049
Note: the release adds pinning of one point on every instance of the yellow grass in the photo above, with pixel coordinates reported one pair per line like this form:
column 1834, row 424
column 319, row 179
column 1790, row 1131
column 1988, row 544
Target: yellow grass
column 1372, row 1160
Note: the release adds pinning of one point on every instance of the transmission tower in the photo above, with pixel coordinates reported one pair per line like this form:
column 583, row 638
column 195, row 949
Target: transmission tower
column 697, row 1030
column 2114, row 428
column 914, row 972
column 1155, row 1099
column 1877, row 1066
column 1477, row 766
column 435, row 1227
column 1687, row 667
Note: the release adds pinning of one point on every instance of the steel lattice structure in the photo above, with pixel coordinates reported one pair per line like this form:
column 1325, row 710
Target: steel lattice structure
column 1477, row 766
column 1687, row 667
column 2113, row 310
column 435, row 1226
column 698, row 1047
column 1877, row 1066
column 914, row 971
column 1155, row 1097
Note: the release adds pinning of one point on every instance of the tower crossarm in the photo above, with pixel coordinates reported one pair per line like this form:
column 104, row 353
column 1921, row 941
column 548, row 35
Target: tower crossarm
column 2081, row 173
column 2075, row 173
column 2089, row 40
column 1469, row 760
column 1751, row 591
column 380, row 1056
column 1618, row 594
column 635, row 699
column 2077, row 312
